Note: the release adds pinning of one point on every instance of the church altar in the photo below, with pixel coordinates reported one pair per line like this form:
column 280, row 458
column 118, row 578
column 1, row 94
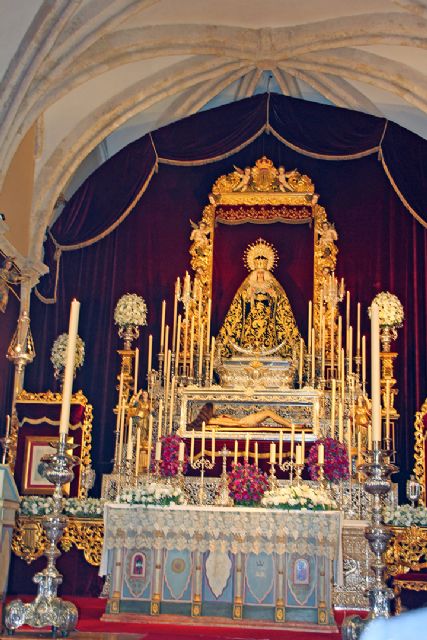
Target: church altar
column 244, row 562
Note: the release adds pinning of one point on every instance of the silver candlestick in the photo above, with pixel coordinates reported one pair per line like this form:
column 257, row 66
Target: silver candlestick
column 223, row 497
column 378, row 471
column 202, row 463
column 48, row 609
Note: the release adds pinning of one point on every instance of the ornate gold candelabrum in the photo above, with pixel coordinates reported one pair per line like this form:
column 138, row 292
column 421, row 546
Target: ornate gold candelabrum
column 298, row 473
column 223, row 497
column 47, row 609
column 272, row 479
column 377, row 470
column 288, row 465
column 202, row 464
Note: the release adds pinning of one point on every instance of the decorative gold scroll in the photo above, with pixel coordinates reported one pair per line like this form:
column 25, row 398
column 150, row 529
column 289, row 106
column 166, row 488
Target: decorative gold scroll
column 264, row 194
column 419, row 450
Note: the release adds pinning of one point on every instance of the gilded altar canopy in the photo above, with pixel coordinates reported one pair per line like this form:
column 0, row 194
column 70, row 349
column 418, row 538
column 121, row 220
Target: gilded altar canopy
column 260, row 318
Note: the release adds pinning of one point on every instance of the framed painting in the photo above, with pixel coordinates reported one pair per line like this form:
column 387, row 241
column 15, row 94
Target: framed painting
column 33, row 482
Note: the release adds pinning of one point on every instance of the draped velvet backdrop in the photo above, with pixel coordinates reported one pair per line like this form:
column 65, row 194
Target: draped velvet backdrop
column 131, row 220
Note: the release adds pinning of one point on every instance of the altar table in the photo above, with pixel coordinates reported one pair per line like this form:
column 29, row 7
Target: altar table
column 242, row 562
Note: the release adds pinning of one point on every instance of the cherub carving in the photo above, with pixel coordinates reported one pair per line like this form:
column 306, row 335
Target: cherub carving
column 8, row 277
column 283, row 179
column 245, row 177
column 327, row 237
column 200, row 237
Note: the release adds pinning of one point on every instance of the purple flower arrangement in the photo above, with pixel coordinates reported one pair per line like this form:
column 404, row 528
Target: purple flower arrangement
column 170, row 452
column 247, row 484
column 335, row 467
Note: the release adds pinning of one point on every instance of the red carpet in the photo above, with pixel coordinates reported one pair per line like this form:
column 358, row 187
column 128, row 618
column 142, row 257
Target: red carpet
column 165, row 628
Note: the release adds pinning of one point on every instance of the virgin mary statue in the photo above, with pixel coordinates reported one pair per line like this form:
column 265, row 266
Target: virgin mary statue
column 260, row 319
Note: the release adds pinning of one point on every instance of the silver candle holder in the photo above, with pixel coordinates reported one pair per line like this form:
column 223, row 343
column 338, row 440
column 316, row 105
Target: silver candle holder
column 48, row 610
column 223, row 498
column 202, row 464
column 377, row 470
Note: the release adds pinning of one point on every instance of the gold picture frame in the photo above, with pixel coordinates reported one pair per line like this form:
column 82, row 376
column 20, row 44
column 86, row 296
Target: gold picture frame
column 33, row 483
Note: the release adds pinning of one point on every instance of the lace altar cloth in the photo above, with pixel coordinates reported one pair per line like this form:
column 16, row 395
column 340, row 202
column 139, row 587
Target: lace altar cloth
column 244, row 529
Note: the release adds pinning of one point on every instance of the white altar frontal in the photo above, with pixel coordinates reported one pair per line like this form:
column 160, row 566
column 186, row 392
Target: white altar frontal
column 252, row 563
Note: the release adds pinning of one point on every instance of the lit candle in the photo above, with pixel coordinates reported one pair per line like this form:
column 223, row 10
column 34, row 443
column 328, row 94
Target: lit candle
column 342, row 358
column 129, row 451
column 321, row 454
column 375, row 374
column 158, row 452
column 162, row 326
column 150, row 353
column 247, row 448
column 181, row 452
column 272, row 453
column 192, row 347
column 135, row 377
column 358, row 331
column 159, row 426
column 202, row 446
column 303, row 445
column 280, row 446
column 298, row 455
column 150, row 439
column 213, row 446
column 211, row 364
column 256, row 454
column 236, row 451
column 301, row 352
column 70, row 355
column 310, row 314
column 192, row 447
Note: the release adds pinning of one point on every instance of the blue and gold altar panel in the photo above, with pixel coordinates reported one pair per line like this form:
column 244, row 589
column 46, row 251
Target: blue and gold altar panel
column 238, row 563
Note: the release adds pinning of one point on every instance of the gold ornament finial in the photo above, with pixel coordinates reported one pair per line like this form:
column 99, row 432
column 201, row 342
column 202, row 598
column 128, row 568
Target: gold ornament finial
column 260, row 251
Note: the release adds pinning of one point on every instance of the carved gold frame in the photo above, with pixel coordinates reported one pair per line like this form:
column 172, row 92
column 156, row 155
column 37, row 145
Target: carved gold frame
column 50, row 397
column 419, row 450
column 264, row 193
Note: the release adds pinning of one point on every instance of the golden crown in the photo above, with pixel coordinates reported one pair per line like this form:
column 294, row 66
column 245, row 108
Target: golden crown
column 257, row 250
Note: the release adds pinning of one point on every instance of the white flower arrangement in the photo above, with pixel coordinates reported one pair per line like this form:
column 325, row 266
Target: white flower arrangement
column 405, row 516
column 40, row 506
column 59, row 352
column 390, row 309
column 130, row 309
column 301, row 496
column 35, row 505
column 153, row 493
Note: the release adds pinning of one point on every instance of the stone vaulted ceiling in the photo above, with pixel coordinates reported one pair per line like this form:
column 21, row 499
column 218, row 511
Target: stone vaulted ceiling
column 92, row 75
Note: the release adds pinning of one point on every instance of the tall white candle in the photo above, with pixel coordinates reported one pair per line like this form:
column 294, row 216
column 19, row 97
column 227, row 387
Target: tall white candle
column 129, row 451
column 247, row 447
column 171, row 406
column 363, row 360
column 358, row 331
column 236, row 451
column 178, row 343
column 321, row 454
column 159, row 426
column 272, row 453
column 150, row 439
column 137, row 449
column 211, row 363
column 340, row 422
column 208, row 325
column 292, row 441
column 339, row 343
column 150, row 353
column 135, row 378
column 200, row 368
column 165, row 354
column 175, row 310
column 256, row 454
column 67, row 389
column 280, row 446
column 192, row 347
column 162, row 326
column 301, row 358
column 213, row 446
column 181, row 452
column 350, row 349
column 158, row 452
column 192, row 447
column 298, row 454
column 184, row 363
column 202, row 445
column 333, row 400
column 303, row 445
column 375, row 373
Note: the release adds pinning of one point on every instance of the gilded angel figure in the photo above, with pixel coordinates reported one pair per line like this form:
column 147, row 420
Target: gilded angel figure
column 245, row 177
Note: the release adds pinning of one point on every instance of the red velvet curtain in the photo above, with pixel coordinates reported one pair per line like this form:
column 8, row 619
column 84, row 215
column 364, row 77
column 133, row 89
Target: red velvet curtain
column 382, row 247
